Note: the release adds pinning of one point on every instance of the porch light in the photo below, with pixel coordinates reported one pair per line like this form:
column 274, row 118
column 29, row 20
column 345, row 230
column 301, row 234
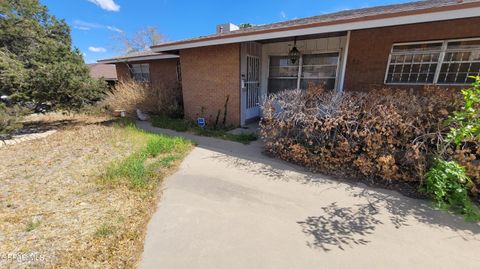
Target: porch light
column 294, row 53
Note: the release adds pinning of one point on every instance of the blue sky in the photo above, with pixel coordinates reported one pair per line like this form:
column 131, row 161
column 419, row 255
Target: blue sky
column 95, row 23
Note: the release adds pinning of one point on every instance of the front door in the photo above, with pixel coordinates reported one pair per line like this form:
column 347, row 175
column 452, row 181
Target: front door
column 252, row 88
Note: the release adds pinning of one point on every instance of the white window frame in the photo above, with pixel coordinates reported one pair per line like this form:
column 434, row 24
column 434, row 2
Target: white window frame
column 440, row 62
column 298, row 78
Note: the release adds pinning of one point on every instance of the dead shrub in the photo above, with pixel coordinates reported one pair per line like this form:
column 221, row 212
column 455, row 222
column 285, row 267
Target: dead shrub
column 384, row 134
column 129, row 95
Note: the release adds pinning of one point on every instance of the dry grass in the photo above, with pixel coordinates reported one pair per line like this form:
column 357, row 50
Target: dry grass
column 52, row 203
column 130, row 95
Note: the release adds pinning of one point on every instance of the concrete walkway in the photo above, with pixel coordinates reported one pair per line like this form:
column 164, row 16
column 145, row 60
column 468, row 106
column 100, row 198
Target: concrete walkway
column 229, row 206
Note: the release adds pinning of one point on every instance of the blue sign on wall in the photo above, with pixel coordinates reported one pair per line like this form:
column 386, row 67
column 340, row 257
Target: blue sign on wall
column 201, row 122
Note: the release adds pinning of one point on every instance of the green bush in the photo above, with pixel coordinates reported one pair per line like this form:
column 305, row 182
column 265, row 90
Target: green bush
column 448, row 184
column 465, row 123
column 447, row 181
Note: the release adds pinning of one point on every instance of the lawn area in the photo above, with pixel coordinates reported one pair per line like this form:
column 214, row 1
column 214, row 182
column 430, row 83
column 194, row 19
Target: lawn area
column 83, row 196
column 181, row 125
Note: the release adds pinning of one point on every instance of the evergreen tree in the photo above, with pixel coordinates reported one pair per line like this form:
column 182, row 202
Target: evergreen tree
column 37, row 62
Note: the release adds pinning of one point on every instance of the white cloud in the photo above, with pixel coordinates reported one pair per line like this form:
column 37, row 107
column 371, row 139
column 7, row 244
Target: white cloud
column 85, row 26
column 283, row 14
column 109, row 5
column 97, row 49
column 114, row 29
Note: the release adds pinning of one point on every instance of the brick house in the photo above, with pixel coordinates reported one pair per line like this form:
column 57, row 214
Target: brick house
column 433, row 42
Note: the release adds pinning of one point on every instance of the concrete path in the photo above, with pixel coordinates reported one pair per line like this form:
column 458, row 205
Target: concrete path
column 229, row 206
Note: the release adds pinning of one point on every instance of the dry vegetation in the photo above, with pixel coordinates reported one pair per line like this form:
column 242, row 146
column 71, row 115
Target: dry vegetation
column 383, row 135
column 55, row 201
column 128, row 95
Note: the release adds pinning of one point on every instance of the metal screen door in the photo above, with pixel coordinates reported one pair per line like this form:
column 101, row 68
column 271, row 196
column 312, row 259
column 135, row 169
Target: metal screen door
column 252, row 85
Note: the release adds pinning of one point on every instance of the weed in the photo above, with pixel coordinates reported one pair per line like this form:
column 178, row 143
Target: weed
column 134, row 168
column 104, row 230
column 32, row 225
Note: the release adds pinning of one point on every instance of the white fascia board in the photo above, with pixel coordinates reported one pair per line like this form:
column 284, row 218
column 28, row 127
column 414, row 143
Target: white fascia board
column 136, row 59
column 410, row 19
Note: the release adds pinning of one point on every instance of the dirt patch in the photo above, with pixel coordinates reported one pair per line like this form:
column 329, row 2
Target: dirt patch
column 53, row 208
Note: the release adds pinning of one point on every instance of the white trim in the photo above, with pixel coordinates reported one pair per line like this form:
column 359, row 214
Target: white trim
column 299, row 73
column 376, row 23
column 341, row 79
column 435, row 41
column 123, row 59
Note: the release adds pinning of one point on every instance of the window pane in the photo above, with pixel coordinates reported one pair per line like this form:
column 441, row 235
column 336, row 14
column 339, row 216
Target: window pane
column 413, row 64
column 437, row 46
column 462, row 59
column 319, row 71
column 276, row 85
column 140, row 72
column 329, row 84
column 320, row 59
column 281, row 66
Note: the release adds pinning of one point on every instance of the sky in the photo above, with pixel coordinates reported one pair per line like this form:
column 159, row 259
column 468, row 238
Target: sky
column 97, row 24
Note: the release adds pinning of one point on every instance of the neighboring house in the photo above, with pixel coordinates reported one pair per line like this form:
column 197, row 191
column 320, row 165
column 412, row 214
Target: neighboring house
column 106, row 72
column 434, row 42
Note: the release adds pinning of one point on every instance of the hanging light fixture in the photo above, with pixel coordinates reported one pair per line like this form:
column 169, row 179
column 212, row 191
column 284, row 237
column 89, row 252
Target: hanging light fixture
column 294, row 53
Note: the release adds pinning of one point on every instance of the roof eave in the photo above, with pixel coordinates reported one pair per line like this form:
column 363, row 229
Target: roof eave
column 466, row 10
column 137, row 59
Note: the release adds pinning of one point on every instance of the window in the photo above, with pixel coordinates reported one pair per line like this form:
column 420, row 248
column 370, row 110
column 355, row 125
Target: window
column 283, row 74
column 140, row 72
column 317, row 69
column 438, row 62
column 462, row 59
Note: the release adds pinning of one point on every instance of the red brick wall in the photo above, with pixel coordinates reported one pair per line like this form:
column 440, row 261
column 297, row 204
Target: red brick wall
column 209, row 74
column 163, row 73
column 369, row 49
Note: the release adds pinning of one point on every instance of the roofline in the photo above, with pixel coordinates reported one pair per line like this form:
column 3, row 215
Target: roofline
column 126, row 59
column 466, row 10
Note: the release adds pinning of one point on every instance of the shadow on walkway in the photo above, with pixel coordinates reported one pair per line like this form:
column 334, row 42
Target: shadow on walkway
column 335, row 226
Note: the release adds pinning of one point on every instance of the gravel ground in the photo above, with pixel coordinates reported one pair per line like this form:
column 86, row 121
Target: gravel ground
column 54, row 212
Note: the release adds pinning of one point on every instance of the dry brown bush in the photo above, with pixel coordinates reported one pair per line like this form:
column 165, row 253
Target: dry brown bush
column 129, row 95
column 384, row 134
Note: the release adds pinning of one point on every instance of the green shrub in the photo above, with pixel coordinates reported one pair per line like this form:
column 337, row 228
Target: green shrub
column 447, row 183
column 465, row 123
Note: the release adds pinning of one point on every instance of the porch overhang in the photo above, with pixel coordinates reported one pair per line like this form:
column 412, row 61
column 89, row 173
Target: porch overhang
column 460, row 11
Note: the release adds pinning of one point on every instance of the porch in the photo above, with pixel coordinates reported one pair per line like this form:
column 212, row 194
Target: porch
column 268, row 66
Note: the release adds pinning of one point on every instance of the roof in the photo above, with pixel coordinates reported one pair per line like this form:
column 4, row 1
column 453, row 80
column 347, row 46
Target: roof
column 138, row 56
column 343, row 17
column 105, row 71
